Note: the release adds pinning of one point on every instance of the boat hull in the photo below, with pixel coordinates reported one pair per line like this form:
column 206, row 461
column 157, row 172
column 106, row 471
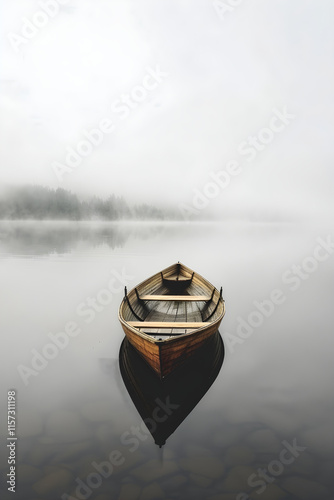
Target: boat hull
column 165, row 355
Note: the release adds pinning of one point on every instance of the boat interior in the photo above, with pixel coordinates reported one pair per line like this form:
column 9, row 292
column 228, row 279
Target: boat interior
column 173, row 302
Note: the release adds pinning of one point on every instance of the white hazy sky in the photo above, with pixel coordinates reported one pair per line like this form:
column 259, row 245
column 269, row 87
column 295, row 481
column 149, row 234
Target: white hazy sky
column 225, row 76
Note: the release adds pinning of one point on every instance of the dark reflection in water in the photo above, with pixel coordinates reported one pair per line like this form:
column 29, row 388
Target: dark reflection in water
column 164, row 405
column 45, row 238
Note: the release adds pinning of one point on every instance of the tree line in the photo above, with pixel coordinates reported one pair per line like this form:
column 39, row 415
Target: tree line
column 42, row 203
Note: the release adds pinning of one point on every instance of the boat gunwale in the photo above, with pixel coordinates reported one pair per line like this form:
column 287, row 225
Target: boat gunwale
column 180, row 337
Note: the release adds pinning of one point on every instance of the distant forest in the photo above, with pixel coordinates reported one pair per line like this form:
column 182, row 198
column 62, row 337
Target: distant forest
column 41, row 203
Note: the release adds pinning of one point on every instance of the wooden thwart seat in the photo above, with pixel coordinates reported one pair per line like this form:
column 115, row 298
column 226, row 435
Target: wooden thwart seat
column 177, row 278
column 167, row 324
column 186, row 298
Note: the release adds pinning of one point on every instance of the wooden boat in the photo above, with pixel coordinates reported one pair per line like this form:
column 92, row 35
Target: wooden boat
column 170, row 315
column 183, row 388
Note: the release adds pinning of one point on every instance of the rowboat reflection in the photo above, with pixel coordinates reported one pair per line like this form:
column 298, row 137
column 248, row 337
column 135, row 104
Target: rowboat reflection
column 164, row 404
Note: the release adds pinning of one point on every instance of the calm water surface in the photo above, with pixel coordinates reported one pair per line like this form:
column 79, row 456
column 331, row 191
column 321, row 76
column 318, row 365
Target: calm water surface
column 265, row 427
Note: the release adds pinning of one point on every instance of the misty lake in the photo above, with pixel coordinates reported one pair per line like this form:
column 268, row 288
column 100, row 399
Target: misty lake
column 264, row 429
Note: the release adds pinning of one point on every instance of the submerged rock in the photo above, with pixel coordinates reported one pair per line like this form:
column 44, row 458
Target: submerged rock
column 224, row 438
column 66, row 426
column 31, row 425
column 272, row 492
column 264, row 441
column 55, row 483
column 304, row 489
column 129, row 492
column 72, row 451
column 201, row 481
column 40, row 454
column 237, row 479
column 154, row 469
column 82, row 466
column 168, row 454
column 239, row 455
column 207, row 466
column 127, row 479
column 320, row 440
column 104, row 433
column 49, row 469
column 152, row 492
column 130, row 461
column 192, row 450
column 223, row 496
column 326, row 473
column 28, row 474
column 303, row 465
column 174, row 482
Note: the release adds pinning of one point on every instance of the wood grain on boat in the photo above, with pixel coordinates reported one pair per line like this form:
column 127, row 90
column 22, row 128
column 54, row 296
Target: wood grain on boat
column 170, row 315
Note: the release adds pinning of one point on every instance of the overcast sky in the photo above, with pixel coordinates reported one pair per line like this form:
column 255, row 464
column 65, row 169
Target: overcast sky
column 219, row 79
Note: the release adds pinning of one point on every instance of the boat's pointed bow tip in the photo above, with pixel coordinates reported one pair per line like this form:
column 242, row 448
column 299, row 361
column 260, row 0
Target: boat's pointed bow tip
column 179, row 263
